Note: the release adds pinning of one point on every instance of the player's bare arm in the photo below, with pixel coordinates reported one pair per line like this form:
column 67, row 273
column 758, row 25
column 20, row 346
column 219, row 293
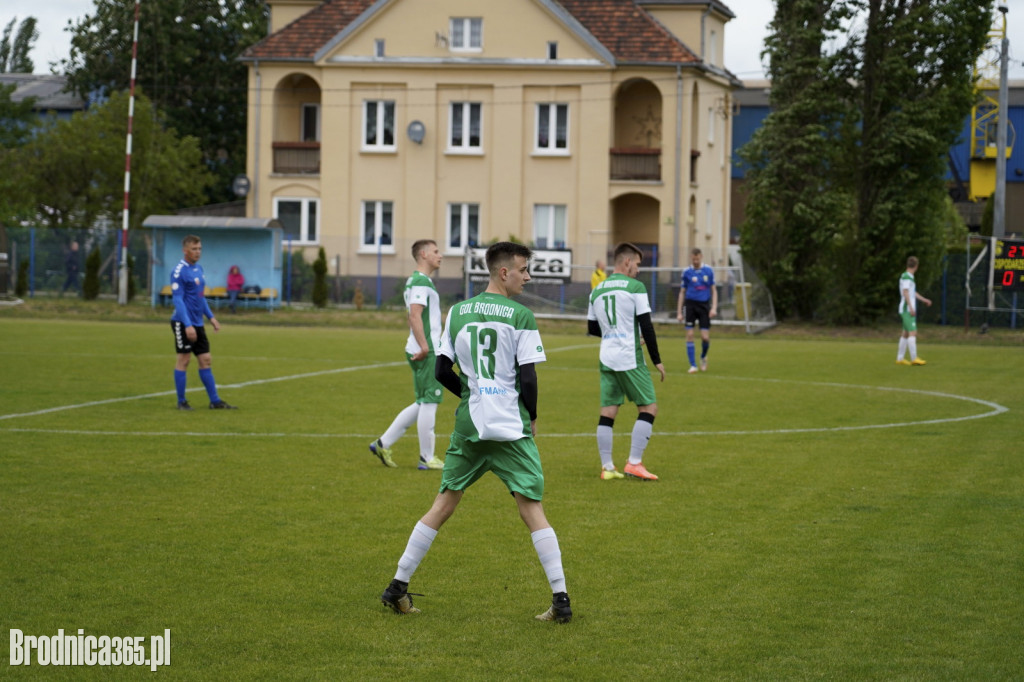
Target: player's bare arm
column 416, row 325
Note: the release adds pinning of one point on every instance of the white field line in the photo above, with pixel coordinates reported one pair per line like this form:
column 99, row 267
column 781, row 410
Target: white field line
column 994, row 409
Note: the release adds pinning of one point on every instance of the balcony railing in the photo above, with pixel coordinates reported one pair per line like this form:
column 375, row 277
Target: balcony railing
column 635, row 163
column 296, row 157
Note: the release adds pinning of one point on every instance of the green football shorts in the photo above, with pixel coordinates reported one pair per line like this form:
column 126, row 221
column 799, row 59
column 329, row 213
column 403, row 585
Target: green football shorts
column 634, row 384
column 427, row 388
column 515, row 462
column 909, row 322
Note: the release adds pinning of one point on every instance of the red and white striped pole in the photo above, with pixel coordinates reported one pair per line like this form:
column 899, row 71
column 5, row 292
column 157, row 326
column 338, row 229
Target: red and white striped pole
column 122, row 289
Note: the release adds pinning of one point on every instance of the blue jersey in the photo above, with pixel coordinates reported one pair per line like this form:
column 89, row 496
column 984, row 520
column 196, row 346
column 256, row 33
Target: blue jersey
column 697, row 283
column 188, row 287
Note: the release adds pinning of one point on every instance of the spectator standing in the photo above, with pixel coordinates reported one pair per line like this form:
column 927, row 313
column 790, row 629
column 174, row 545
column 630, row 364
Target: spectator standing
column 599, row 274
column 72, row 267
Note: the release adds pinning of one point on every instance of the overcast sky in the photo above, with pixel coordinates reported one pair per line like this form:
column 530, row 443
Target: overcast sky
column 744, row 35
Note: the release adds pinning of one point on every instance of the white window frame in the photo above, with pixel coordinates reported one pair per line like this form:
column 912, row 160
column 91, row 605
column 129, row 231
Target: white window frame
column 465, row 26
column 546, row 226
column 552, row 148
column 305, row 237
column 464, row 209
column 380, row 112
column 315, row 107
column 378, row 215
column 466, row 109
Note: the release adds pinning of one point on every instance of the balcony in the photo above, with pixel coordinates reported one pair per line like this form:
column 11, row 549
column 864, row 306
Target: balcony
column 297, row 157
column 635, row 163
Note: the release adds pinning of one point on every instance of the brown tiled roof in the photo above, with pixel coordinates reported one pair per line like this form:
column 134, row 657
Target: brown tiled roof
column 628, row 31
column 624, row 28
column 302, row 38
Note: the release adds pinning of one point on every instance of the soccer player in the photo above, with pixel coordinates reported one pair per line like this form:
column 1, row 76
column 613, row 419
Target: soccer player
column 495, row 343
column 697, row 291
column 908, row 313
column 188, row 286
column 424, row 306
column 620, row 314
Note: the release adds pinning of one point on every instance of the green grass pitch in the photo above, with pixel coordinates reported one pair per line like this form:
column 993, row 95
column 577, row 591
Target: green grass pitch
column 822, row 513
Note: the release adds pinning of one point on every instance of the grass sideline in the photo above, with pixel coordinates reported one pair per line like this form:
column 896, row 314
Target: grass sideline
column 823, row 513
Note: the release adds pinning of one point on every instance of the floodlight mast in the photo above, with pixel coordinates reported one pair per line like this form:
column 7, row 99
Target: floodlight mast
column 122, row 288
column 999, row 210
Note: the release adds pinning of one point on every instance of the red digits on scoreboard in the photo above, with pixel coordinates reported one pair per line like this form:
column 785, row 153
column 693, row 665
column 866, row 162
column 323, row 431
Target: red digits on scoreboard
column 1008, row 278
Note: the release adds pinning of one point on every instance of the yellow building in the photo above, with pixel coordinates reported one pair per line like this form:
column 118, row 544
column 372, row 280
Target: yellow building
column 573, row 124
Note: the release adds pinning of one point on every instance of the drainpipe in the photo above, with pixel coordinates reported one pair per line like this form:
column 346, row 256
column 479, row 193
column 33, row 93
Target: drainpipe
column 677, row 206
column 256, row 144
column 704, row 16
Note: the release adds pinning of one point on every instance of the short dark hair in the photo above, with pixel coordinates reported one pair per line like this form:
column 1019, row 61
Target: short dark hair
column 696, row 252
column 503, row 253
column 418, row 245
column 625, row 249
column 190, row 239
column 912, row 262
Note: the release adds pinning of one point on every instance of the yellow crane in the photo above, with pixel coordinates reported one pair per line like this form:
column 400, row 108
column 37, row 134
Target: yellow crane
column 985, row 115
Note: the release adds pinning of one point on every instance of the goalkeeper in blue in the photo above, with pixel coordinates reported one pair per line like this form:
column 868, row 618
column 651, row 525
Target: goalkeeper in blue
column 188, row 287
column 496, row 345
column 620, row 313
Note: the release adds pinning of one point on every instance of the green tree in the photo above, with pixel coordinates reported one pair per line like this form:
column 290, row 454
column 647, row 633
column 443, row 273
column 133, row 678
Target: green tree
column 795, row 208
column 847, row 174
column 14, row 52
column 320, row 280
column 91, row 284
column 913, row 67
column 188, row 63
column 73, row 170
column 17, row 119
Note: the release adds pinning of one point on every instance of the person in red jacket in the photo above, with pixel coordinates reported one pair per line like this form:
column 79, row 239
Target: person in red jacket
column 235, row 283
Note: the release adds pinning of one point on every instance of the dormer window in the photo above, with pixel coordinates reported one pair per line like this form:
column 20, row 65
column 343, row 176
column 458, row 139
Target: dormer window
column 466, row 33
column 378, row 48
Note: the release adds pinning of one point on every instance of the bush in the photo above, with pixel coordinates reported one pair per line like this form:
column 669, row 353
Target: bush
column 21, row 283
column 320, row 280
column 91, row 285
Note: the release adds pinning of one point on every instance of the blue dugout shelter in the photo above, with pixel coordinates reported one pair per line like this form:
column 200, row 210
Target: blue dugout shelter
column 253, row 244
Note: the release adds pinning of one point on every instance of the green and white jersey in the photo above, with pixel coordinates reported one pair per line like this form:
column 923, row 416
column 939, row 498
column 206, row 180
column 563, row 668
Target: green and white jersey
column 420, row 289
column 615, row 303
column 489, row 337
column 907, row 284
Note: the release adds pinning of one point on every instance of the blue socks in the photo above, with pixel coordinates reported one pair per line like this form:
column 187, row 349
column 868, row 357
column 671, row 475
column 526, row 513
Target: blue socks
column 179, row 384
column 704, row 345
column 206, row 376
column 690, row 351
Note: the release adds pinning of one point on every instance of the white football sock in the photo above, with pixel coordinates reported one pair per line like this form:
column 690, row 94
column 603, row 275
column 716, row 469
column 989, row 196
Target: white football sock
column 546, row 543
column 641, row 434
column 419, row 542
column 605, row 434
column 425, row 427
column 903, row 348
column 403, row 421
column 912, row 347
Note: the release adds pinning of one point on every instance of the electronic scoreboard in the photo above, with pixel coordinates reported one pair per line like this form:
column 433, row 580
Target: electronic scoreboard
column 1008, row 266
